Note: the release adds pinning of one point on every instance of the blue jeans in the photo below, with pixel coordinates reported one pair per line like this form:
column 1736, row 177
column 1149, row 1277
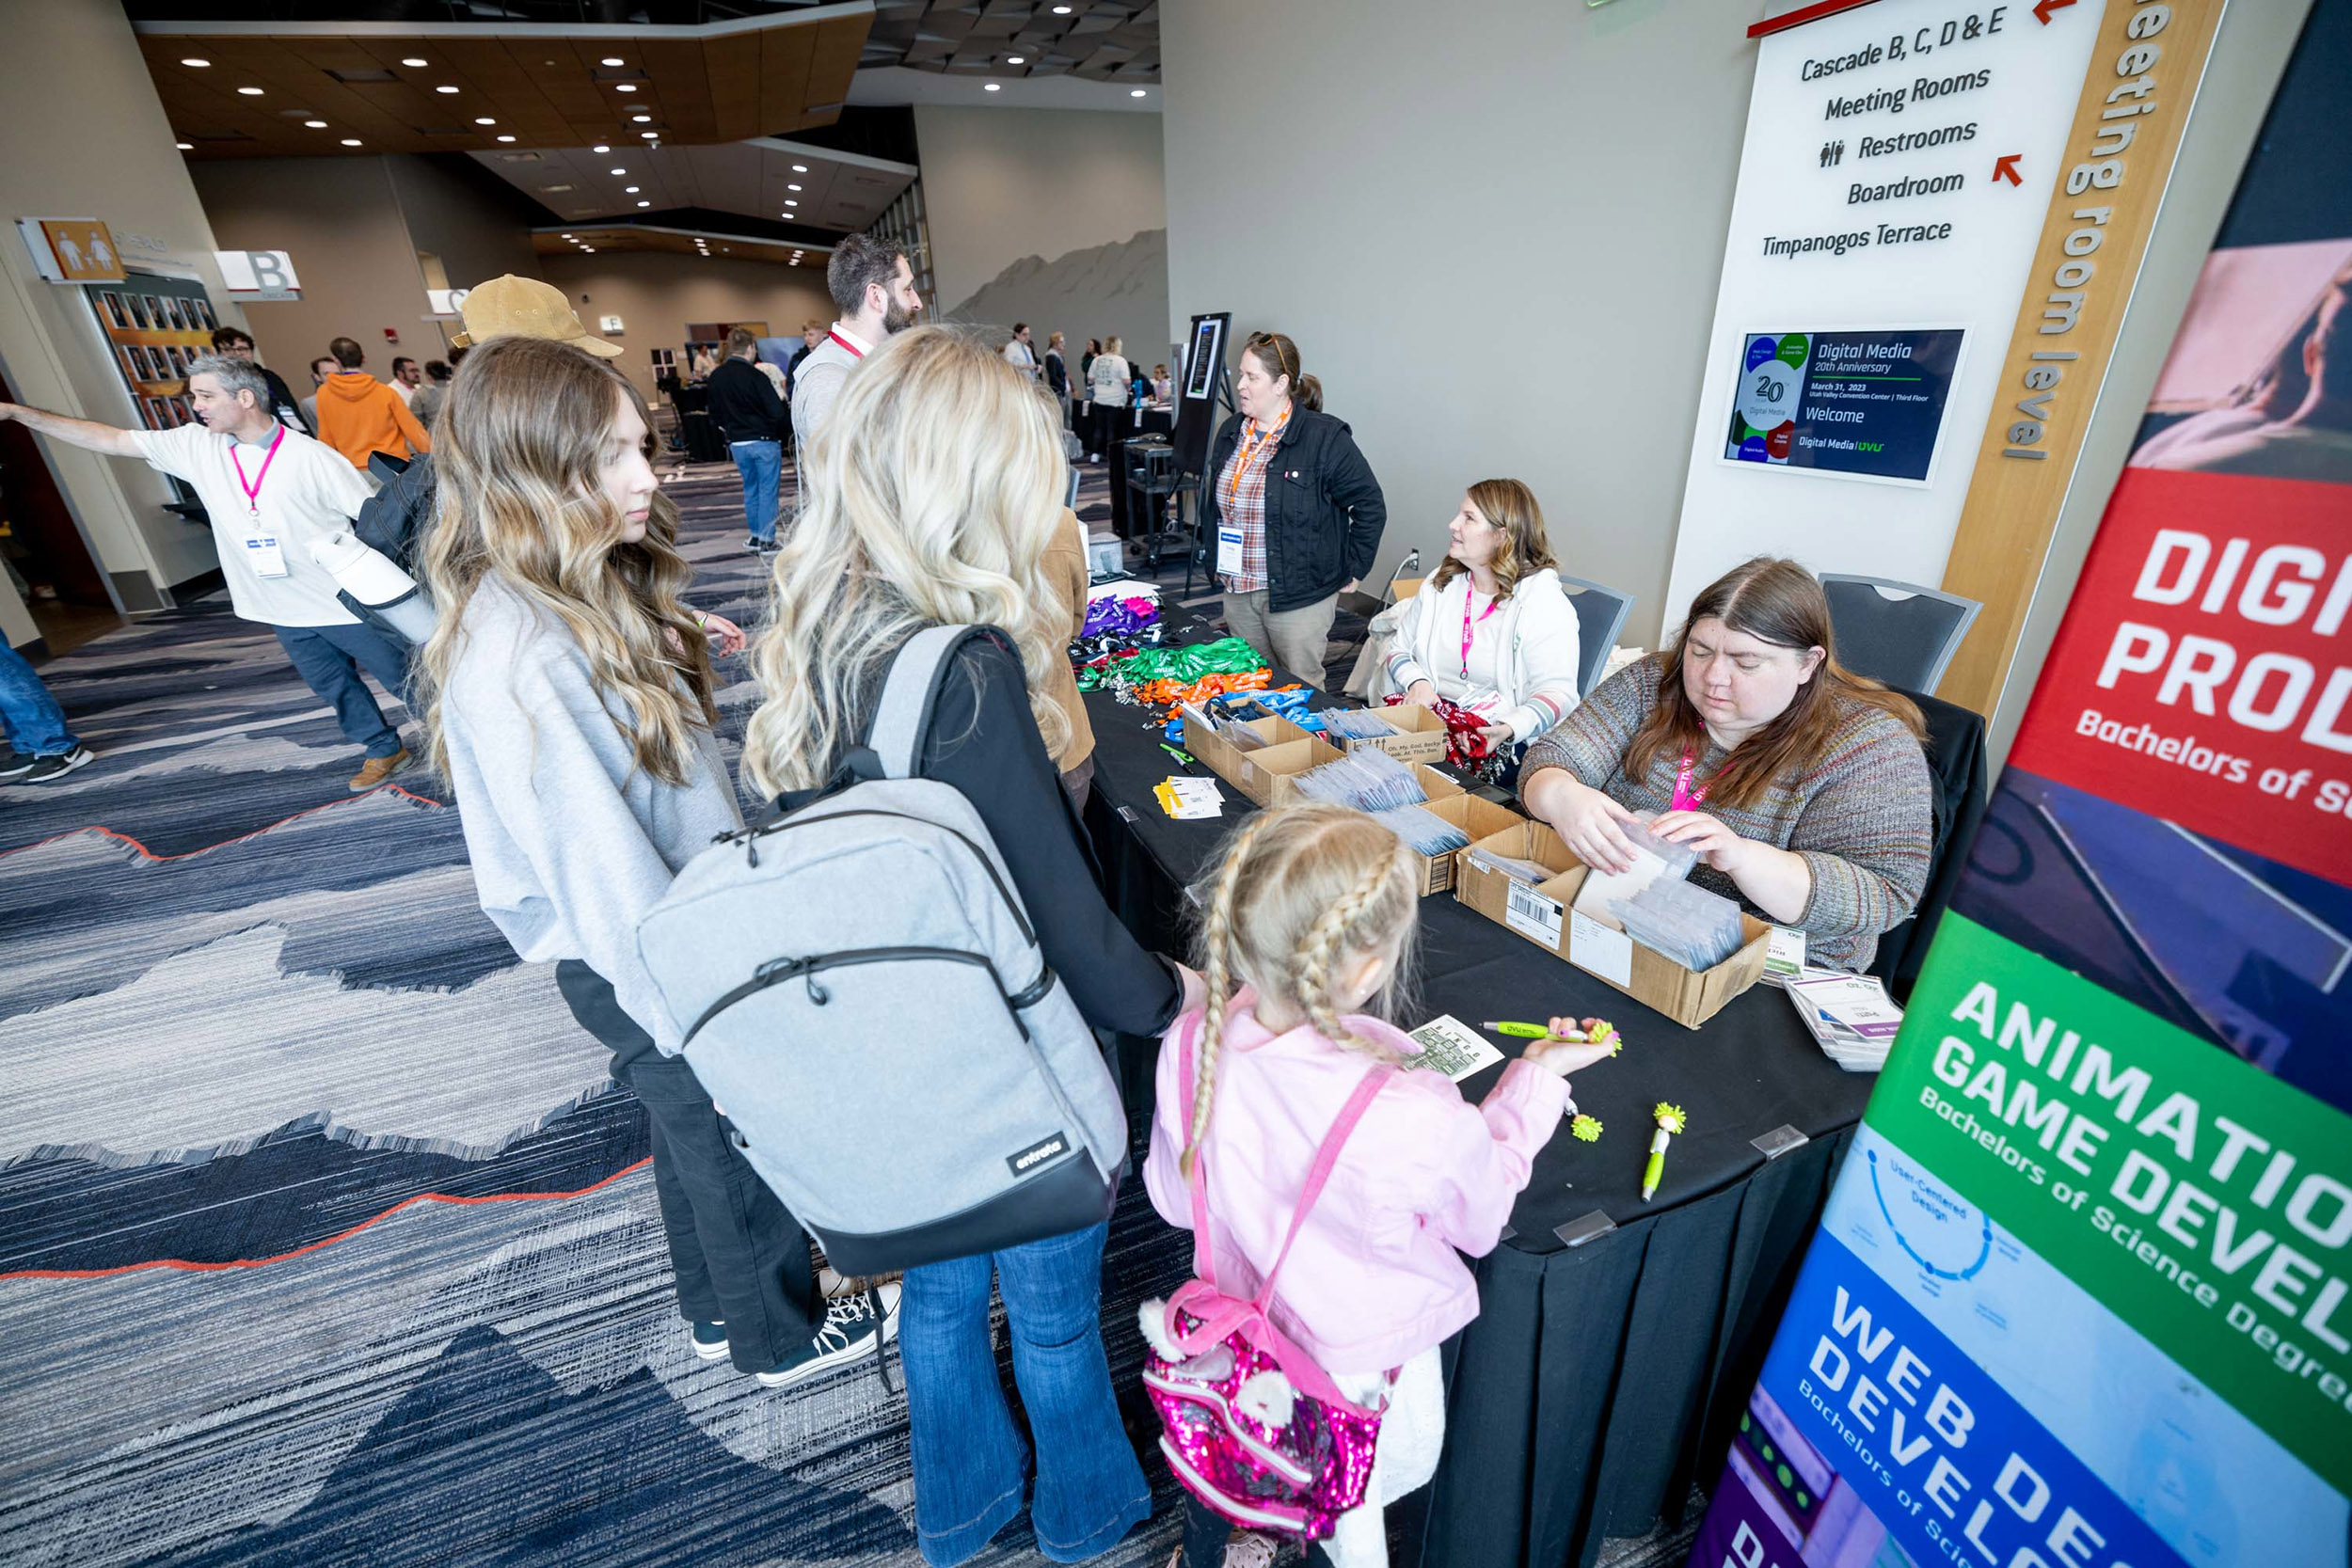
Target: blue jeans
column 329, row 659
column 35, row 723
column 969, row 1460
column 761, row 464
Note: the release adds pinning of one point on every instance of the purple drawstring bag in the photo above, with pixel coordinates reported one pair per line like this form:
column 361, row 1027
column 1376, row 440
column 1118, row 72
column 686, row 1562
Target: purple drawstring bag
column 1248, row 1422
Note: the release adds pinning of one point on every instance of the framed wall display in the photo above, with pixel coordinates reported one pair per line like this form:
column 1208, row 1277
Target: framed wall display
column 1865, row 404
column 1207, row 354
column 157, row 327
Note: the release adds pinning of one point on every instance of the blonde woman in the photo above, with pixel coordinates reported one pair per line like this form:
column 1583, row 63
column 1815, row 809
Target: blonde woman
column 1107, row 381
column 934, row 498
column 1491, row 629
column 569, row 704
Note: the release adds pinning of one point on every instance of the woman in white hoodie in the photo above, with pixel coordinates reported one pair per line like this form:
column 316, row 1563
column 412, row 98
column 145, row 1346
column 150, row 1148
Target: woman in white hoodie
column 1491, row 629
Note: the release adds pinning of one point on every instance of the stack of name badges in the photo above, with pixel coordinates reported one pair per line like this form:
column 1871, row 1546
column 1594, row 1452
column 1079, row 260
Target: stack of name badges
column 1368, row 781
column 1652, row 904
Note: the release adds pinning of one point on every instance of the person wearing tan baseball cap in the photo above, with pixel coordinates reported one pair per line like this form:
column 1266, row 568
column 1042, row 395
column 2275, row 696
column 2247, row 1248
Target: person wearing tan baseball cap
column 512, row 306
column 507, row 307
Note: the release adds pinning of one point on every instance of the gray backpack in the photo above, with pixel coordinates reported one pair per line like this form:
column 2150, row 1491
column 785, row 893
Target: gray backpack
column 862, row 991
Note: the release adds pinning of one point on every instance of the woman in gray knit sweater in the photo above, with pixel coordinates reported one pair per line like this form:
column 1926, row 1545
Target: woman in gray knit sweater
column 1819, row 809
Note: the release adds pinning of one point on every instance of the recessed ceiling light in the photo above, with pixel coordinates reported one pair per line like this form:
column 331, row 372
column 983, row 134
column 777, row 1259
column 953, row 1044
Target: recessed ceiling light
column 1062, row 10
column 629, row 190
column 612, row 59
column 799, row 168
column 1014, row 60
column 641, row 119
column 415, row 62
column 791, row 201
column 1138, row 93
column 650, row 136
column 185, row 145
column 444, row 88
column 601, row 147
column 588, row 251
column 791, row 187
column 624, row 87
column 315, row 124
column 351, row 141
column 485, row 119
column 567, row 236
column 992, row 87
column 620, row 171
column 645, row 204
column 250, row 92
column 198, row 64
column 506, row 138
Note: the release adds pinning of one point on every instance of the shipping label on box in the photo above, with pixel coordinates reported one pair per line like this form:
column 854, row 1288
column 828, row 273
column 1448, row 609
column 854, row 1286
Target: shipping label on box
column 1417, row 735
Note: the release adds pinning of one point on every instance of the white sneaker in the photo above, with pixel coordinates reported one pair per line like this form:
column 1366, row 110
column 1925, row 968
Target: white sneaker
column 850, row 1331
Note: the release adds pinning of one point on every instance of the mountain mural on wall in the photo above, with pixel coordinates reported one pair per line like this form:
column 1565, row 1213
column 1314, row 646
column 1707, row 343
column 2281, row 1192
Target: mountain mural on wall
column 1118, row 288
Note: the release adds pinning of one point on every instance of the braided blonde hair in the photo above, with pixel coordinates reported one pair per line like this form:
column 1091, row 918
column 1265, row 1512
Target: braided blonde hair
column 1293, row 894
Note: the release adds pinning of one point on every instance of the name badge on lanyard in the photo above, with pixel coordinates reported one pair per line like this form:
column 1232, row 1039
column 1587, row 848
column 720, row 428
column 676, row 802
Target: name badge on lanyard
column 1229, row 550
column 263, row 553
column 262, row 550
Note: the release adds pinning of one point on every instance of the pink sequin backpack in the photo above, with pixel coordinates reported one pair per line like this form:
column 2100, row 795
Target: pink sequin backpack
column 1248, row 1422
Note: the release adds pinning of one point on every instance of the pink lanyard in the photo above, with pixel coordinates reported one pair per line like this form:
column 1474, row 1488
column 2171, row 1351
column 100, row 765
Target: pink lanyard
column 855, row 352
column 253, row 491
column 1467, row 594
column 1686, row 798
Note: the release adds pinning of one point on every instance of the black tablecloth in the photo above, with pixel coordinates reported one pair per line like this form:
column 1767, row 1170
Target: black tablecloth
column 1590, row 1392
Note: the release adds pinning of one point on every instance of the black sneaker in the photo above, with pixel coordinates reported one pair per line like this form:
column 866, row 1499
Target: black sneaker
column 710, row 1341
column 14, row 764
column 854, row 1327
column 49, row 770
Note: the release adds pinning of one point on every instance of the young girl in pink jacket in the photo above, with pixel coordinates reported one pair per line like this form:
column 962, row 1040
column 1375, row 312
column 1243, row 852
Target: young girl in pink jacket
column 1312, row 910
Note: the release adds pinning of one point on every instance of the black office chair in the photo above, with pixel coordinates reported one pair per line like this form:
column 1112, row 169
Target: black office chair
column 1600, row 614
column 1897, row 632
column 1957, row 763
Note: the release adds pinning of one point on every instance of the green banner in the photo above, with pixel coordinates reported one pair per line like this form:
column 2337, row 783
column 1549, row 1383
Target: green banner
column 2206, row 1204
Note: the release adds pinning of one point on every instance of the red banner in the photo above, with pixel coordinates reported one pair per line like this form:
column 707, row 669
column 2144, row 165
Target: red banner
column 2202, row 674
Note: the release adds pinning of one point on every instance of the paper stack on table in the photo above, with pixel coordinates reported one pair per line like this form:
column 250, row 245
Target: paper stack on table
column 1849, row 1015
column 1187, row 799
column 1454, row 1048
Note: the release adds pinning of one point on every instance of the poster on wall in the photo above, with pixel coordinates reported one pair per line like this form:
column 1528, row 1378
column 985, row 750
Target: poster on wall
column 2082, row 1293
column 1857, row 404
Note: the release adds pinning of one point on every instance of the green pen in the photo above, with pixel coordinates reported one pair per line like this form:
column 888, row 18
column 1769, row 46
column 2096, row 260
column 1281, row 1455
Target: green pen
column 1594, row 1032
column 1669, row 1122
column 1522, row 1031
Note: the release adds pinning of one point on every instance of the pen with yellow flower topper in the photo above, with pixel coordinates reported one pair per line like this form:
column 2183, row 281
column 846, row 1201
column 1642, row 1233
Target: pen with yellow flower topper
column 1669, row 1122
column 1589, row 1031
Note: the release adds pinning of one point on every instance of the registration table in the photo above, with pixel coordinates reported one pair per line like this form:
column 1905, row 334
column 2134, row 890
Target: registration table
column 1616, row 1340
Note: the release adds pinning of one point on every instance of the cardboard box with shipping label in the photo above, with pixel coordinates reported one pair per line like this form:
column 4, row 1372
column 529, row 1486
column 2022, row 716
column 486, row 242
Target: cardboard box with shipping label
column 1253, row 771
column 1475, row 816
column 1418, row 735
column 1543, row 913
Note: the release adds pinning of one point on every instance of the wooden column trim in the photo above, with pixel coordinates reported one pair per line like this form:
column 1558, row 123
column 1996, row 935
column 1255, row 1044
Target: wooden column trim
column 2071, row 318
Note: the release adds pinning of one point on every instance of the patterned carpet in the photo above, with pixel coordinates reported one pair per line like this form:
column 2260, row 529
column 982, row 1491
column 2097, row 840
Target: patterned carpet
column 323, row 1238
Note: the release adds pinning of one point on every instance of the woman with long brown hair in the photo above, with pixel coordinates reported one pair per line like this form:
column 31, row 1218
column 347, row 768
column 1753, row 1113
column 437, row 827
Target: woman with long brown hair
column 1818, row 804
column 1491, row 629
column 569, row 705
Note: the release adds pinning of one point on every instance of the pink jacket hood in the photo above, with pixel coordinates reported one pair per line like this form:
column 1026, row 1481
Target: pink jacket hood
column 1377, row 1275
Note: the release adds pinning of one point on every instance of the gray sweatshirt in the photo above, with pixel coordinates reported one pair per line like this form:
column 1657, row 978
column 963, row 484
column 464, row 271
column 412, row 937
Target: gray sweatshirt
column 570, row 841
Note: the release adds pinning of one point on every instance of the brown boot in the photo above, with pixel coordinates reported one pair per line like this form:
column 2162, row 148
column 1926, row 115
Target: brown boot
column 377, row 769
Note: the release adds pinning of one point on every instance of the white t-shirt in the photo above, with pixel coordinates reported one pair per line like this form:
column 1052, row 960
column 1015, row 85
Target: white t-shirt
column 311, row 490
column 1110, row 376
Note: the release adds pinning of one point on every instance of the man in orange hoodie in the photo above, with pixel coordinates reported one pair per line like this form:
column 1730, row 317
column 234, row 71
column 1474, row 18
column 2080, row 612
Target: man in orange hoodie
column 359, row 416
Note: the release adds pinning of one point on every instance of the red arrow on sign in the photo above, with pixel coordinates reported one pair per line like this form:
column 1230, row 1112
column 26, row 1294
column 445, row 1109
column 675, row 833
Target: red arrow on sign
column 2005, row 166
column 2043, row 7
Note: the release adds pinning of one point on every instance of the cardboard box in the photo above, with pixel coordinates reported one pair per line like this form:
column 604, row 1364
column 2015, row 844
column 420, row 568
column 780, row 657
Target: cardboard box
column 1288, row 750
column 1433, row 784
column 1419, row 735
column 1475, row 816
column 1543, row 915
